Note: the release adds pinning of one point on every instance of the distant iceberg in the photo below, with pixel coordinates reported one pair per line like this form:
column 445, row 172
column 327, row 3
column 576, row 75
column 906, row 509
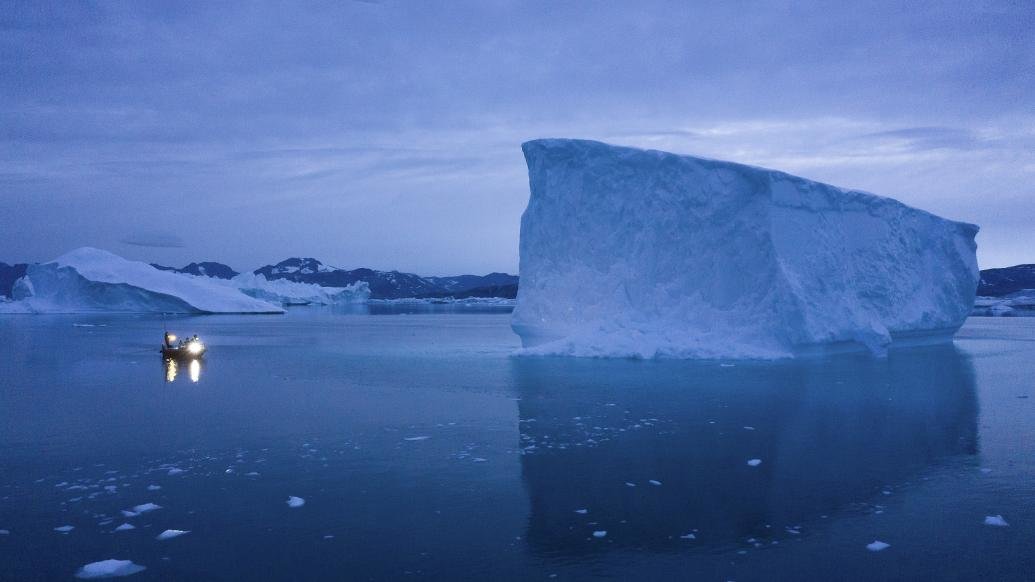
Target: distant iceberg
column 633, row 253
column 286, row 292
column 92, row 280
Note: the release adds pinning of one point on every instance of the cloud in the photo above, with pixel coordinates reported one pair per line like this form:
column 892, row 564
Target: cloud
column 928, row 138
column 164, row 240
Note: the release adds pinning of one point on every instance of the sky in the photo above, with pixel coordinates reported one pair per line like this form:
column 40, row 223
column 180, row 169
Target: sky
column 387, row 134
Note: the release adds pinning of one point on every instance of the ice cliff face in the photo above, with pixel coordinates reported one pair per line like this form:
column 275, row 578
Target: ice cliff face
column 626, row 252
column 89, row 279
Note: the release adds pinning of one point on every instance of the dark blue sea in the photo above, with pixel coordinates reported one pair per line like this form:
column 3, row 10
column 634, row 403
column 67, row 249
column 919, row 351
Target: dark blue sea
column 421, row 449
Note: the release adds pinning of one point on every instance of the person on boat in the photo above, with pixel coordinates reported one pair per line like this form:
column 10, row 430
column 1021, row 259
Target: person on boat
column 169, row 339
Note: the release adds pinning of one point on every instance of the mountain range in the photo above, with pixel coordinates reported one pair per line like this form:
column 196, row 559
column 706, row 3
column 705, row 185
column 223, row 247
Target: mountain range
column 396, row 285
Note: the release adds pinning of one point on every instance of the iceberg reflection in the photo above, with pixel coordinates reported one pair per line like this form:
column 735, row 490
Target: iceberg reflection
column 657, row 450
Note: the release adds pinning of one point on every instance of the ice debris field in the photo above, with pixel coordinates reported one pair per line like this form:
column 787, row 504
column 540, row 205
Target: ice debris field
column 635, row 253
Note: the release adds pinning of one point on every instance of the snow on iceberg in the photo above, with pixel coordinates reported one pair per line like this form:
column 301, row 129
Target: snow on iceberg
column 88, row 280
column 634, row 253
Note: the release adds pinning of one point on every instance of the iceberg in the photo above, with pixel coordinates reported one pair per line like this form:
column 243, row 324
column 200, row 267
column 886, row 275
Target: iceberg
column 639, row 253
column 92, row 280
column 287, row 292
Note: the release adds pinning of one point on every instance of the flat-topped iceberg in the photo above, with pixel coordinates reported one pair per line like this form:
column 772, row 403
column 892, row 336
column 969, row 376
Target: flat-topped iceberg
column 92, row 280
column 634, row 253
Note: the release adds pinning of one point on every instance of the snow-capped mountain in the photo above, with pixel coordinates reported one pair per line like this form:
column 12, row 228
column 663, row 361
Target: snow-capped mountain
column 1002, row 282
column 390, row 284
column 203, row 269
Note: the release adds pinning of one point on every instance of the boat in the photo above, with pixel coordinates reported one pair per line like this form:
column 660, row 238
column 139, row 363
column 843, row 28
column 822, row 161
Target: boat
column 191, row 348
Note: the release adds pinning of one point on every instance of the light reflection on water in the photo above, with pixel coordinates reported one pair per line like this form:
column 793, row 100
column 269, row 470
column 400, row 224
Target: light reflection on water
column 172, row 369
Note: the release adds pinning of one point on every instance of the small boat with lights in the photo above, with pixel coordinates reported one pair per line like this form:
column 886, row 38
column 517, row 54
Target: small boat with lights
column 191, row 348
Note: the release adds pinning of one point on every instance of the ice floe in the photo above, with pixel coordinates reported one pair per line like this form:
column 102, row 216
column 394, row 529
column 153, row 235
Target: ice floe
column 64, row 529
column 171, row 533
column 754, row 462
column 109, row 568
column 877, row 546
column 600, row 533
column 995, row 520
column 295, row 501
column 125, row 527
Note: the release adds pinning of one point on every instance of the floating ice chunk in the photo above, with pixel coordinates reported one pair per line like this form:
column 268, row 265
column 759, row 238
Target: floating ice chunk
column 805, row 267
column 754, row 462
column 5, row 532
column 109, row 568
column 479, row 460
column 171, row 533
column 654, row 482
column 65, row 528
column 417, row 438
column 128, row 513
column 749, row 428
column 688, row 536
column 582, row 511
column 175, row 471
column 145, row 507
column 328, row 537
column 600, row 533
column 628, row 484
column 996, row 520
column 252, row 474
column 295, row 501
column 125, row 527
column 877, row 546
column 153, row 487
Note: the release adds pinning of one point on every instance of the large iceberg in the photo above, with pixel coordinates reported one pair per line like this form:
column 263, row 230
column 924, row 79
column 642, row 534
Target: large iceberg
column 634, row 253
column 89, row 279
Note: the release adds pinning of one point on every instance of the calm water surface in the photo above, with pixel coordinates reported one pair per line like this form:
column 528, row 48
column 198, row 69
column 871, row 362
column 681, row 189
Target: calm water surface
column 423, row 450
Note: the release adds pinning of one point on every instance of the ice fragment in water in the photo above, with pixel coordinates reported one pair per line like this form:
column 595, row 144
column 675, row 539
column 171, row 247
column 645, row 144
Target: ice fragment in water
column 877, row 546
column 996, row 520
column 754, row 462
column 599, row 533
column 171, row 533
column 295, row 501
column 109, row 568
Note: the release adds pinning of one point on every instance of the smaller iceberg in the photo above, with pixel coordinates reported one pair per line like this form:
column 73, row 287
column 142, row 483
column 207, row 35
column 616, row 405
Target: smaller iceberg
column 286, row 292
column 92, row 280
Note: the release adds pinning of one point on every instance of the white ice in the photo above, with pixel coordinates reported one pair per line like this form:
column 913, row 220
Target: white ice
column 996, row 520
column 599, row 533
column 877, row 546
column 754, row 462
column 109, row 568
column 153, row 487
column 64, row 528
column 295, row 501
column 171, row 533
column 125, row 527
column 145, row 507
column 633, row 253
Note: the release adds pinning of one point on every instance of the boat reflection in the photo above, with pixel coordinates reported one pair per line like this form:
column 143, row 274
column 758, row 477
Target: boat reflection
column 657, row 452
column 173, row 368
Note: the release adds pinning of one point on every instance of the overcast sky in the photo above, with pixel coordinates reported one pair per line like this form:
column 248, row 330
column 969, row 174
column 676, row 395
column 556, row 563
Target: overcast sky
column 387, row 134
